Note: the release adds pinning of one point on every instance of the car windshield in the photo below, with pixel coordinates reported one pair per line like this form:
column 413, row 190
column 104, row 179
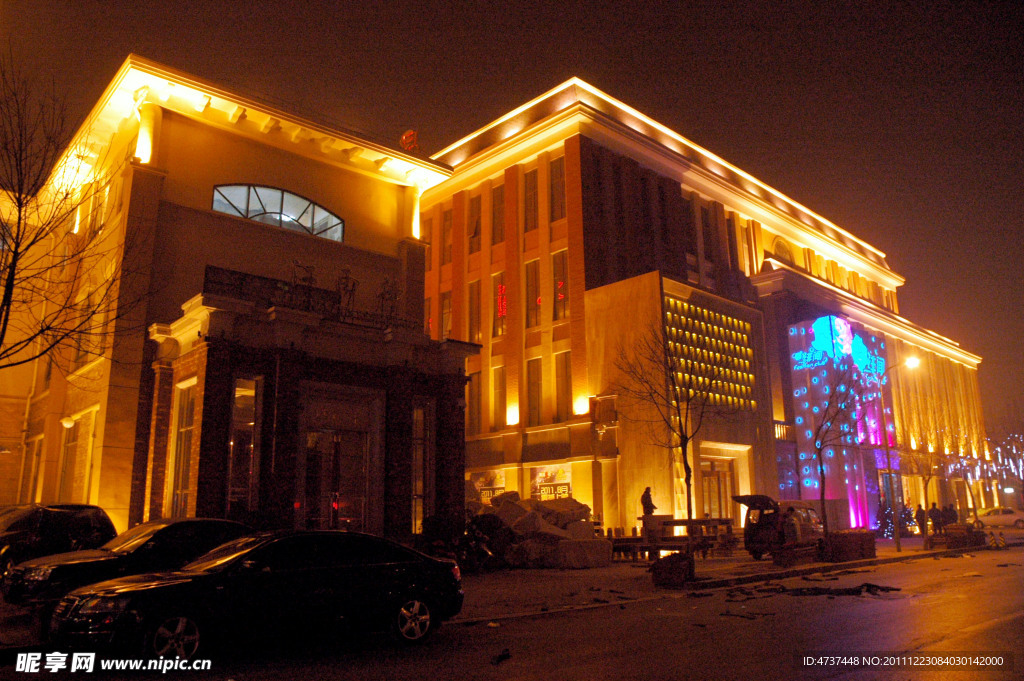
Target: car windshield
column 11, row 515
column 223, row 555
column 126, row 542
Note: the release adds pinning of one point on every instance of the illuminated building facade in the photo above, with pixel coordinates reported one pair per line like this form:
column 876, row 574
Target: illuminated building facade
column 288, row 335
column 573, row 222
column 274, row 369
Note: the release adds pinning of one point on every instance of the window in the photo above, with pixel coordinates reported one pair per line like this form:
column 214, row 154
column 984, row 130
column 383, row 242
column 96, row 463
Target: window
column 278, row 208
column 184, row 425
column 563, row 386
column 474, row 311
column 532, row 293
column 560, row 285
column 498, row 214
column 446, row 315
column 244, row 447
column 533, row 391
column 530, row 210
column 557, row 180
column 422, row 462
column 473, row 404
column 500, row 303
column 446, row 237
column 426, row 235
column 498, row 403
column 428, row 322
column 66, row 486
column 473, row 226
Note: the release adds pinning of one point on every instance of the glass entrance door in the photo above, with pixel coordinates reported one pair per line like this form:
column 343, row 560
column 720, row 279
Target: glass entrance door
column 717, row 488
column 336, row 480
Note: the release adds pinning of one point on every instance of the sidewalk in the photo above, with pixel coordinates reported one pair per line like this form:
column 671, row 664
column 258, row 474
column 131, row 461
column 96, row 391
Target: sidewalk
column 518, row 593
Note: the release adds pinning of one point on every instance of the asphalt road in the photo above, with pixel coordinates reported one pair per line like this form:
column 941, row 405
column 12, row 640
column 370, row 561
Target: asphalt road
column 971, row 605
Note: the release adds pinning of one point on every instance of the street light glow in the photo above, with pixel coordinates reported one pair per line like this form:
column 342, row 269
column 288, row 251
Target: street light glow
column 912, row 362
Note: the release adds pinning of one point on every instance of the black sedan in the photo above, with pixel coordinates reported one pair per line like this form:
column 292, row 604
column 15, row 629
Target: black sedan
column 31, row 530
column 149, row 547
column 273, row 582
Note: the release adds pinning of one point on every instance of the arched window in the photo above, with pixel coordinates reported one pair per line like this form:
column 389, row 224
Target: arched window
column 278, row 208
column 782, row 252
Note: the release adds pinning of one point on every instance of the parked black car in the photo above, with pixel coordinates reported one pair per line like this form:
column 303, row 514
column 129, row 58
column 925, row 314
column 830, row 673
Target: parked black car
column 149, row 547
column 270, row 582
column 32, row 530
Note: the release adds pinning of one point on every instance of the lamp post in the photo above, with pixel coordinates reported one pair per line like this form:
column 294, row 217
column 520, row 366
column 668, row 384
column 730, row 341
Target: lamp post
column 897, row 507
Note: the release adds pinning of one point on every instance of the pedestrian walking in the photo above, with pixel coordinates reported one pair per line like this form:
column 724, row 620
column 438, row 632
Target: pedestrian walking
column 935, row 515
column 921, row 518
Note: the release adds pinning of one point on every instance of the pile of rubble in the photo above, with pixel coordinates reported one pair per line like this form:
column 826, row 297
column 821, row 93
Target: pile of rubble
column 545, row 534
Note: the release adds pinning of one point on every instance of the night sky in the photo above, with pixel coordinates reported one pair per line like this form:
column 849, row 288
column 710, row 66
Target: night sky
column 902, row 123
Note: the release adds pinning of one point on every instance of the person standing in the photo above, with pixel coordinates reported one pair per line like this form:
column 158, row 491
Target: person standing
column 647, row 503
column 921, row 518
column 935, row 515
column 951, row 516
column 649, row 528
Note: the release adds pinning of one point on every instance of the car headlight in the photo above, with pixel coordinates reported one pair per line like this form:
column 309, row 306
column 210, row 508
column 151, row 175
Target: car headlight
column 99, row 605
column 38, row 574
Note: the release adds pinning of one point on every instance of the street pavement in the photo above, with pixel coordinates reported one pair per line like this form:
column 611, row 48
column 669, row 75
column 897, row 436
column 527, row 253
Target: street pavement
column 507, row 594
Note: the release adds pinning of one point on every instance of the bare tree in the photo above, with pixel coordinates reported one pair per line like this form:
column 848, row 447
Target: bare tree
column 835, row 422
column 59, row 270
column 671, row 395
column 927, row 464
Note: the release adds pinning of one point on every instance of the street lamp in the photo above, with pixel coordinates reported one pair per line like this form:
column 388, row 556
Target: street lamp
column 897, row 506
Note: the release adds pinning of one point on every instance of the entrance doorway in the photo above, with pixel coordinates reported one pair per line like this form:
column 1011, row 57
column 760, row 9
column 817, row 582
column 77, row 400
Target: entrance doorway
column 339, row 467
column 717, row 488
column 336, row 480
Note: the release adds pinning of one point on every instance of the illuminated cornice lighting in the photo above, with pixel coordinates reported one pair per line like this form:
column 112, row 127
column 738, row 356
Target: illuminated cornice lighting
column 140, row 81
column 563, row 96
column 512, row 416
column 581, row 406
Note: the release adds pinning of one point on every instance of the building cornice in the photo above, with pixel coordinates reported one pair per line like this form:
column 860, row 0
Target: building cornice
column 141, row 81
column 785, row 278
column 575, row 107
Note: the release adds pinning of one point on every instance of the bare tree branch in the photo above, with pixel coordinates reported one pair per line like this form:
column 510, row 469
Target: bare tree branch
column 60, row 268
column 670, row 394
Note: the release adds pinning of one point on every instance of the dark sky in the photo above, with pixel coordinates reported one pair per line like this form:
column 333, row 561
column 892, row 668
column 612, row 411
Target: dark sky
column 903, row 123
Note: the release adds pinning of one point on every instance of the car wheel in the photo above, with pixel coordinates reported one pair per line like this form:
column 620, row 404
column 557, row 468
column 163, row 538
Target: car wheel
column 978, row 525
column 173, row 636
column 413, row 621
column 1019, row 524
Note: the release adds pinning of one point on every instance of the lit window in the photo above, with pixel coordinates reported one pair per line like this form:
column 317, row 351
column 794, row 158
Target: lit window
column 533, row 391
column 474, row 311
column 426, row 236
column 563, row 386
column 500, row 303
column 446, row 315
column 278, row 208
column 498, row 214
column 473, row 226
column 530, row 208
column 498, row 403
column 446, row 237
column 473, row 404
column 560, row 286
column 557, row 180
column 532, row 293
